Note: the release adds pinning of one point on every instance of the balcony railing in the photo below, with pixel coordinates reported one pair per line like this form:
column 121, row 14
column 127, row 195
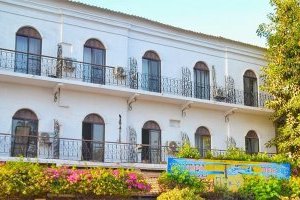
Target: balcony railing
column 59, row 68
column 88, row 150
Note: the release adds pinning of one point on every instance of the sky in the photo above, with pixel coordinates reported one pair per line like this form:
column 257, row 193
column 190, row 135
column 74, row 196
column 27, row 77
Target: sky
column 232, row 19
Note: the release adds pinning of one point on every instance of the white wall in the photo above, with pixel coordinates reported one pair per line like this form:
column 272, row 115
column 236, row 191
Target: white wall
column 125, row 37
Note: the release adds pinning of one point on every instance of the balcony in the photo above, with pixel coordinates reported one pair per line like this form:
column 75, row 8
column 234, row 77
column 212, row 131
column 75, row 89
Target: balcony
column 88, row 152
column 59, row 68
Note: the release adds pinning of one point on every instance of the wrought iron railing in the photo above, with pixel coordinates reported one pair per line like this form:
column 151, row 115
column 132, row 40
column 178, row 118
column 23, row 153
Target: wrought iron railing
column 81, row 150
column 89, row 150
column 60, row 68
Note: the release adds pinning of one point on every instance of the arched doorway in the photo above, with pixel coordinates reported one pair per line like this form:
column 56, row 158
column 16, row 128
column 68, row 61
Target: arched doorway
column 29, row 49
column 151, row 140
column 202, row 140
column 151, row 73
column 201, row 81
column 250, row 89
column 252, row 142
column 93, row 138
column 94, row 59
column 24, row 134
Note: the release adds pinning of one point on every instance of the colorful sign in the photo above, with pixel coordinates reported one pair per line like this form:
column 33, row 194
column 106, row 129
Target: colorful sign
column 230, row 172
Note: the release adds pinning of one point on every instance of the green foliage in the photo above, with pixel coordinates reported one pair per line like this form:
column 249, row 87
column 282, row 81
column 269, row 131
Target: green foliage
column 281, row 75
column 294, row 186
column 179, row 194
column 186, row 151
column 264, row 188
column 27, row 180
column 222, row 192
column 179, row 178
column 233, row 154
column 20, row 179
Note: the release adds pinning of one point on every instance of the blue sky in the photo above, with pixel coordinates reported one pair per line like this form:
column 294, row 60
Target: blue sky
column 233, row 19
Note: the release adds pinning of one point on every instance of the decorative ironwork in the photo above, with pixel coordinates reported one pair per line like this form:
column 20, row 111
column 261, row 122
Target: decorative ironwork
column 55, row 143
column 52, row 67
column 230, row 142
column 59, row 64
column 132, row 156
column 186, row 82
column 133, row 81
column 120, row 128
column 229, row 87
column 185, row 138
column 74, row 149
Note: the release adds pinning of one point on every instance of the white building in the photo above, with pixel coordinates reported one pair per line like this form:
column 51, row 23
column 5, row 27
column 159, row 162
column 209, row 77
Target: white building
column 96, row 78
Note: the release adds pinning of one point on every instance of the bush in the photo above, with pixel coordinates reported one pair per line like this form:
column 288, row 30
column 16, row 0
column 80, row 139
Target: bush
column 222, row 192
column 186, row 151
column 179, row 194
column 179, row 178
column 23, row 180
column 265, row 188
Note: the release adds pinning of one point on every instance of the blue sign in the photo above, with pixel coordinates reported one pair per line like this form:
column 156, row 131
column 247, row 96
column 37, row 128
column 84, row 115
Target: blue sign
column 230, row 169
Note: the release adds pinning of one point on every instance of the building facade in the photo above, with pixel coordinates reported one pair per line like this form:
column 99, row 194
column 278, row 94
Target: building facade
column 83, row 83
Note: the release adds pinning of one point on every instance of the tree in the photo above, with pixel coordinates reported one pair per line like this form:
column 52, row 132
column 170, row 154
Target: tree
column 282, row 74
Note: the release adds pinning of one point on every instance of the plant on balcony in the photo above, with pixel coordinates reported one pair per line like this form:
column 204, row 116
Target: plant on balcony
column 179, row 178
column 186, row 151
column 27, row 180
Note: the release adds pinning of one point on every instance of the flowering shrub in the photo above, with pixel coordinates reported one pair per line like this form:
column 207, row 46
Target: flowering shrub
column 19, row 179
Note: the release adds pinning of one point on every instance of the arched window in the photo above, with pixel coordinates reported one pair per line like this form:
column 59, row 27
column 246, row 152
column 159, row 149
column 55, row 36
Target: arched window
column 151, row 140
column 250, row 89
column 94, row 59
column 201, row 79
column 24, row 133
column 151, row 74
column 29, row 48
column 202, row 140
column 252, row 142
column 93, row 136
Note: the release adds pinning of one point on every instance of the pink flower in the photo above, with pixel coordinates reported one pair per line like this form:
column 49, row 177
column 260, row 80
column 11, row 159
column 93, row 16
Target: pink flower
column 132, row 176
column 116, row 173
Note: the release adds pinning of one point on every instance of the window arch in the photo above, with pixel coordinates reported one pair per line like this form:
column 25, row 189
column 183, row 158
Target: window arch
column 151, row 72
column 29, row 49
column 93, row 138
column 151, row 140
column 24, row 133
column 250, row 89
column 252, row 142
column 94, row 59
column 201, row 80
column 203, row 140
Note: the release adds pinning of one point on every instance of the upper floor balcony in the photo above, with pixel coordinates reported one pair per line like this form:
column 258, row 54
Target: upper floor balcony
column 61, row 68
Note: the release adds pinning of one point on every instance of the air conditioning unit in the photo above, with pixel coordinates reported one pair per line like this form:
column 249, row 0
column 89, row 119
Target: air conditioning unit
column 119, row 72
column 69, row 64
column 172, row 146
column 45, row 138
column 219, row 94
